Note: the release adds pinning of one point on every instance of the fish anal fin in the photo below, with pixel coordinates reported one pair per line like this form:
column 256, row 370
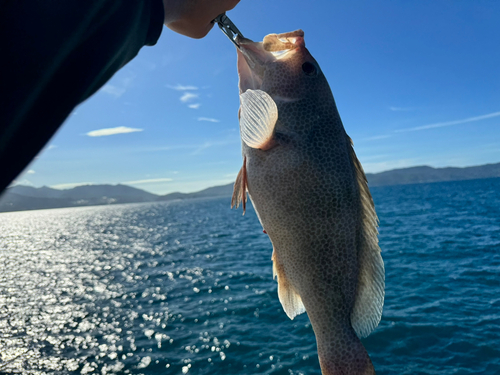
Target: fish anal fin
column 288, row 296
column 240, row 188
column 370, row 292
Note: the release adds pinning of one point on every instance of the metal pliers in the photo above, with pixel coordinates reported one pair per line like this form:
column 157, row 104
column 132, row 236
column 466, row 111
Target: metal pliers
column 228, row 28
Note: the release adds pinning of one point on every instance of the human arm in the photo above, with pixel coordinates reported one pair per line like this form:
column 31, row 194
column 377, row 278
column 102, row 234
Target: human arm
column 57, row 54
column 54, row 56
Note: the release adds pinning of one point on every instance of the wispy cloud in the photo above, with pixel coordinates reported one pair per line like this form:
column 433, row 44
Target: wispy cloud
column 113, row 90
column 401, row 109
column 208, row 119
column 112, row 131
column 188, row 96
column 202, row 147
column 150, row 181
column 194, row 106
column 376, row 137
column 451, row 123
column 70, row 185
column 31, row 171
column 433, row 126
column 371, row 157
column 118, row 87
column 179, row 87
column 198, row 149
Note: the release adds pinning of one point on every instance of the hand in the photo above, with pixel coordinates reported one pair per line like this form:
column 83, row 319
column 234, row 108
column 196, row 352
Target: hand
column 194, row 18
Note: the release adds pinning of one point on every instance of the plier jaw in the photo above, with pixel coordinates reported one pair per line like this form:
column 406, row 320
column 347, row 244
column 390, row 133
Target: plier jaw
column 228, row 28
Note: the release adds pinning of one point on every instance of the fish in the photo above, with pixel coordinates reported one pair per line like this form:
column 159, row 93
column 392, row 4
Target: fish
column 311, row 196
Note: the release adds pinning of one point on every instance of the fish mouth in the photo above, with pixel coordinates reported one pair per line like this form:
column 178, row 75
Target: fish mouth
column 253, row 57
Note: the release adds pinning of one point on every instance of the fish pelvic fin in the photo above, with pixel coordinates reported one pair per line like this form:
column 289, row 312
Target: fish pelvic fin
column 288, row 296
column 240, row 188
column 369, row 300
column 258, row 116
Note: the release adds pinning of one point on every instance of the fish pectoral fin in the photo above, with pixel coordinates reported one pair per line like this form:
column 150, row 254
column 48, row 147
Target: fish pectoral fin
column 240, row 188
column 288, row 296
column 258, row 116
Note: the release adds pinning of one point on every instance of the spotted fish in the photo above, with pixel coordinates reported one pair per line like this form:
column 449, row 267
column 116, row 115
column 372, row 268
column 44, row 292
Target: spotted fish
column 312, row 199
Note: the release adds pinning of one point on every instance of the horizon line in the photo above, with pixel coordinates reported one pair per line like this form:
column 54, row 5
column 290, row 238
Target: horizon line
column 14, row 184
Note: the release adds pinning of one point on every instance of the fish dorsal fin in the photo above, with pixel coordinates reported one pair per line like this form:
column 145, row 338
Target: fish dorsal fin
column 369, row 301
column 288, row 296
column 258, row 117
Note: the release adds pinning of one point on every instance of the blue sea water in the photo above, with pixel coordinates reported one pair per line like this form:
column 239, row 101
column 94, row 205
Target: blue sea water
column 186, row 288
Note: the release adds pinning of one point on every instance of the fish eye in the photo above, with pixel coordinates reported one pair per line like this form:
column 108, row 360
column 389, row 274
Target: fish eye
column 309, row 69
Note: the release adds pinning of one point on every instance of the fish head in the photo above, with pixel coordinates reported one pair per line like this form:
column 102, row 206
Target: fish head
column 280, row 65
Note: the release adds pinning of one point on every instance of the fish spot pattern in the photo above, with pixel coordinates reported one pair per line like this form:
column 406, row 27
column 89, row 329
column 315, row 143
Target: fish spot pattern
column 311, row 197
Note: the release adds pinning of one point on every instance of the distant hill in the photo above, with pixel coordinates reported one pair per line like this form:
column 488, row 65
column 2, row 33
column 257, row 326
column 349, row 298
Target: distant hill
column 16, row 202
column 19, row 198
column 216, row 191
column 424, row 174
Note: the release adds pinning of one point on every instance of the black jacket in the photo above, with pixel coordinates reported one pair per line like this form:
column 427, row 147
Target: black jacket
column 54, row 54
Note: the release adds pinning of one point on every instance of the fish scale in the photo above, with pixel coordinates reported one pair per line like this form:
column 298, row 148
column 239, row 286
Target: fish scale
column 311, row 196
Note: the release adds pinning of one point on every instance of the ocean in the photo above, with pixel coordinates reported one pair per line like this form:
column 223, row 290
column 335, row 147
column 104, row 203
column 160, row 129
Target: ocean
column 186, row 287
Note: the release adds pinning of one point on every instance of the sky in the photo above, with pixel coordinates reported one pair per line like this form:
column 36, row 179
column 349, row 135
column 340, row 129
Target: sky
column 415, row 82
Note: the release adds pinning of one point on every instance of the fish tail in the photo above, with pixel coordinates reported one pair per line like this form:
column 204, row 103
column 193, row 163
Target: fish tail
column 346, row 358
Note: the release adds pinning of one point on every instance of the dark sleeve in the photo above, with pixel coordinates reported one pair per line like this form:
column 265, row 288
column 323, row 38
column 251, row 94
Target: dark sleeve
column 54, row 54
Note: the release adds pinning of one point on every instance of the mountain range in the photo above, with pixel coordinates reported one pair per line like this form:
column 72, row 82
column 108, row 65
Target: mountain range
column 20, row 198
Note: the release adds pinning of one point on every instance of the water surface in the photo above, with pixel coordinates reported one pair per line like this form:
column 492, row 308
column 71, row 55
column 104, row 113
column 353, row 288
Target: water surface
column 186, row 287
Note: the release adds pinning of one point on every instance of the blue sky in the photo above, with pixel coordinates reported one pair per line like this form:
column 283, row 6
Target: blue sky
column 416, row 83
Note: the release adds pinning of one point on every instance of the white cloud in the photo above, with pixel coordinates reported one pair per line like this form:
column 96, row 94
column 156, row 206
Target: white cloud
column 24, row 182
column 150, row 181
column 179, row 87
column 112, row 131
column 188, row 96
column 194, row 106
column 70, row 185
column 208, row 119
column 51, row 147
column 31, row 171
column 450, row 123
